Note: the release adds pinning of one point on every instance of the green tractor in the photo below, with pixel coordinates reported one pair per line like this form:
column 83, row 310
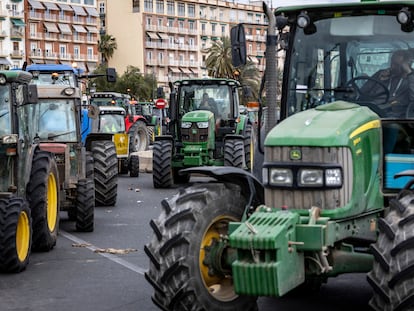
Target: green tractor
column 29, row 180
column 197, row 135
column 330, row 201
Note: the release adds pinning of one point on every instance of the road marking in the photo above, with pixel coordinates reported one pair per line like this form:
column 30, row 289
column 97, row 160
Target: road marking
column 111, row 257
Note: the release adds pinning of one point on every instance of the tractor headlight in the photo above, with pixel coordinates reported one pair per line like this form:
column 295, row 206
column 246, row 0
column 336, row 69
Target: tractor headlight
column 280, row 177
column 310, row 178
column 333, row 177
column 186, row 125
column 202, row 125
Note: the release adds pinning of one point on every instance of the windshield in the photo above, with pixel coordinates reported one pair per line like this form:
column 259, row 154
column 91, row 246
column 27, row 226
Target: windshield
column 54, row 119
column 111, row 123
column 47, row 78
column 214, row 98
column 362, row 59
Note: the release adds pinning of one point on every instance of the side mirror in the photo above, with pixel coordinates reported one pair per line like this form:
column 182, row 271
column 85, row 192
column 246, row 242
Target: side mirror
column 93, row 112
column 110, row 74
column 32, row 95
column 238, row 45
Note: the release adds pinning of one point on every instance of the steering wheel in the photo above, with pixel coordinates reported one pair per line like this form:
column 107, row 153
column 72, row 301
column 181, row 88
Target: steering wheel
column 372, row 96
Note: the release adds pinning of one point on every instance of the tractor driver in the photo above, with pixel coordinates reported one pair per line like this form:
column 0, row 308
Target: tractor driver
column 208, row 103
column 399, row 79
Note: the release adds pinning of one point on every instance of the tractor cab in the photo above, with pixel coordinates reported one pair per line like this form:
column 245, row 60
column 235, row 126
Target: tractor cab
column 348, row 59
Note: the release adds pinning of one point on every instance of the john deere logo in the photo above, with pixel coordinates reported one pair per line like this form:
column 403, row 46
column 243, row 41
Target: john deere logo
column 295, row 154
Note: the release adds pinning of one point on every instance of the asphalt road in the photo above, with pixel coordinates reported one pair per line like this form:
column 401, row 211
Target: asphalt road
column 85, row 271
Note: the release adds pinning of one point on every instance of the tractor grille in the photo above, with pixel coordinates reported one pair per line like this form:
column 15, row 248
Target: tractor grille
column 194, row 134
column 325, row 198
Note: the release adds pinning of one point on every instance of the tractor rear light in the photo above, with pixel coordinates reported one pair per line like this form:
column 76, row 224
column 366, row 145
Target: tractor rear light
column 11, row 151
column 202, row 125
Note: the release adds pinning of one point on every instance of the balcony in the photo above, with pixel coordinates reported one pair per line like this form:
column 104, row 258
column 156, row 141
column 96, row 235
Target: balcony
column 17, row 54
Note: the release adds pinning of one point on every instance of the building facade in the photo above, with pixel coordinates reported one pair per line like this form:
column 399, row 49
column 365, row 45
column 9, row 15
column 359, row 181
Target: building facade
column 62, row 32
column 168, row 39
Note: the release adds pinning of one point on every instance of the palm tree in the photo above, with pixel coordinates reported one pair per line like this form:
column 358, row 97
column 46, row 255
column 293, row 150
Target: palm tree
column 219, row 65
column 107, row 46
column 218, row 61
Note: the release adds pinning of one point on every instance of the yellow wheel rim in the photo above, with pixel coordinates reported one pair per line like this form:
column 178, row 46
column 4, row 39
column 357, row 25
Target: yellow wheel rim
column 23, row 236
column 221, row 288
column 52, row 202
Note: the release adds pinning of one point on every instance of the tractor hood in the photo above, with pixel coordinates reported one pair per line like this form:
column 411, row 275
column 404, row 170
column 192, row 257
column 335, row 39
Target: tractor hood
column 327, row 125
column 197, row 116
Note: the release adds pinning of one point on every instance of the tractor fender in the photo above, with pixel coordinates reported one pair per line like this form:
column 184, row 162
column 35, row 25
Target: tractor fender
column 95, row 137
column 242, row 124
column 164, row 137
column 247, row 181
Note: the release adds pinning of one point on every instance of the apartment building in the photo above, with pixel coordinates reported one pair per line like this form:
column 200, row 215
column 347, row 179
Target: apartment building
column 169, row 38
column 61, row 32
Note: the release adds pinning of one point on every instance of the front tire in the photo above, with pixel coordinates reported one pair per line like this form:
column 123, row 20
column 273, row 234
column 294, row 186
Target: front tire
column 234, row 153
column 43, row 196
column 392, row 274
column 85, row 203
column 162, row 173
column 15, row 234
column 105, row 172
column 181, row 252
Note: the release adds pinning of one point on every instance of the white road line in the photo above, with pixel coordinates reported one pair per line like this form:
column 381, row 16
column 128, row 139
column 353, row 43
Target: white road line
column 111, row 257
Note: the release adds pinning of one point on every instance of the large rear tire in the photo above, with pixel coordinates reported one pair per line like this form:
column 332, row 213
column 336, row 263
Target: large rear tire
column 392, row 276
column 180, row 252
column 162, row 173
column 85, row 205
column 138, row 137
column 43, row 197
column 15, row 234
column 234, row 153
column 105, row 172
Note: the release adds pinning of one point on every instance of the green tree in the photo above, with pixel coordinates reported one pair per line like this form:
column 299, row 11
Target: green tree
column 101, row 83
column 218, row 61
column 132, row 81
column 219, row 65
column 107, row 46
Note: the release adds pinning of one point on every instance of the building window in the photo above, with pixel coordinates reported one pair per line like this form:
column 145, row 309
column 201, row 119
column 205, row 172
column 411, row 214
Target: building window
column 148, row 6
column 191, row 10
column 76, row 53
column 89, row 53
column 170, row 23
column 102, row 7
column 180, row 26
column 170, row 8
column 135, row 5
column 191, row 25
column 181, row 9
column 89, row 2
column 160, row 6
